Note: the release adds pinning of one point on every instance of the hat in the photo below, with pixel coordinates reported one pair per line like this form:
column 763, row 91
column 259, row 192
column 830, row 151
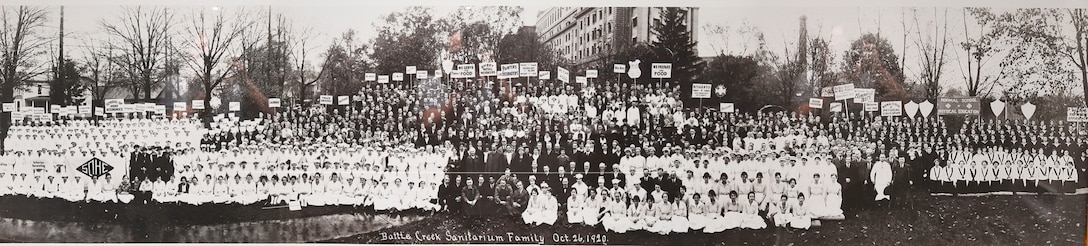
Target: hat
column 578, row 176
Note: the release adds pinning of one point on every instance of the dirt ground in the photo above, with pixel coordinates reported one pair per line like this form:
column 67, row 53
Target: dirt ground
column 933, row 220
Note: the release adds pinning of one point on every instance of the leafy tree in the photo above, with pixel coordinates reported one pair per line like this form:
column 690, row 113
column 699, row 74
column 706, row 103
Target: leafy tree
column 477, row 31
column 872, row 63
column 675, row 44
column 1044, row 56
column 407, row 38
column 524, row 46
column 66, row 88
column 345, row 66
column 739, row 76
column 823, row 74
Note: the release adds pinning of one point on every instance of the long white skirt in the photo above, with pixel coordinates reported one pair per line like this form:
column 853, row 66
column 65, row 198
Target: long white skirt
column 125, row 197
column 164, row 198
column 574, row 216
column 697, row 221
column 663, row 227
column 833, row 205
column 591, row 216
column 549, row 217
column 680, row 224
column 382, row 204
column 752, row 221
column 716, row 224
column 801, row 222
column 639, row 224
column 530, row 218
column 615, row 223
column 782, row 219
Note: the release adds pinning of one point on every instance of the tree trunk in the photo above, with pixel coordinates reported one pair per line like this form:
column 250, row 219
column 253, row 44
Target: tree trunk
column 1084, row 84
column 207, row 113
column 7, row 94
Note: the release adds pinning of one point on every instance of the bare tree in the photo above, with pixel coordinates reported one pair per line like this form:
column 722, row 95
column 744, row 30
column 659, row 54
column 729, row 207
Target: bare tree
column 21, row 43
column 214, row 37
column 980, row 50
column 143, row 40
column 932, row 46
column 299, row 49
column 98, row 61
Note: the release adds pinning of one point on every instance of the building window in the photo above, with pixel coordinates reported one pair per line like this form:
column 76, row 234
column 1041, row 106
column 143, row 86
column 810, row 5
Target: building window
column 634, row 39
column 634, row 21
column 39, row 89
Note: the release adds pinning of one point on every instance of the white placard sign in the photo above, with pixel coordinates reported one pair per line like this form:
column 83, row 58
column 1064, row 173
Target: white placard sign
column 864, row 95
column 398, row 77
column 542, row 75
column 619, row 68
column 273, row 102
column 836, row 107
column 410, row 69
column 1075, row 114
column 815, row 103
column 509, row 71
column 198, row 104
column 180, row 106
column 700, row 90
column 562, row 74
column 727, row 107
column 99, row 111
column 160, row 109
column 891, row 108
column 872, row 107
column 466, row 71
column 383, row 79
column 489, row 69
column 843, row 92
column 325, row 100
column 235, row 106
column 343, row 100
column 661, row 70
column 528, row 69
column 580, row 79
column 421, row 74
column 370, row 77
column 114, row 106
column 9, row 107
column 592, row 73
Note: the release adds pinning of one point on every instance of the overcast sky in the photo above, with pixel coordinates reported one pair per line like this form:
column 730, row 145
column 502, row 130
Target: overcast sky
column 840, row 21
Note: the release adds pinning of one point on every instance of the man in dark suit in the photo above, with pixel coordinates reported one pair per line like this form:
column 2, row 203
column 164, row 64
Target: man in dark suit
column 848, row 178
column 866, row 192
column 901, row 182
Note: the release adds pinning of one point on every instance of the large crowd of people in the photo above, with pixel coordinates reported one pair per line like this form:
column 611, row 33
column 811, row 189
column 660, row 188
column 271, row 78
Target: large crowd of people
column 622, row 156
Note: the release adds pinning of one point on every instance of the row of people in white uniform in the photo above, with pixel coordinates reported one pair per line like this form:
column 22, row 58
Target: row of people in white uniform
column 306, row 190
column 732, row 164
column 82, row 135
column 72, row 188
column 347, row 161
column 621, row 210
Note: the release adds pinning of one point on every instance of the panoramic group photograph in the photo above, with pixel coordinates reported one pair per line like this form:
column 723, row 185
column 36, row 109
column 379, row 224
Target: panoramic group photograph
column 565, row 123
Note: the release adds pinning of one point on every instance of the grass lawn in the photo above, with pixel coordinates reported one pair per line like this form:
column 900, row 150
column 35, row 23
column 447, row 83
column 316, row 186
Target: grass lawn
column 934, row 220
